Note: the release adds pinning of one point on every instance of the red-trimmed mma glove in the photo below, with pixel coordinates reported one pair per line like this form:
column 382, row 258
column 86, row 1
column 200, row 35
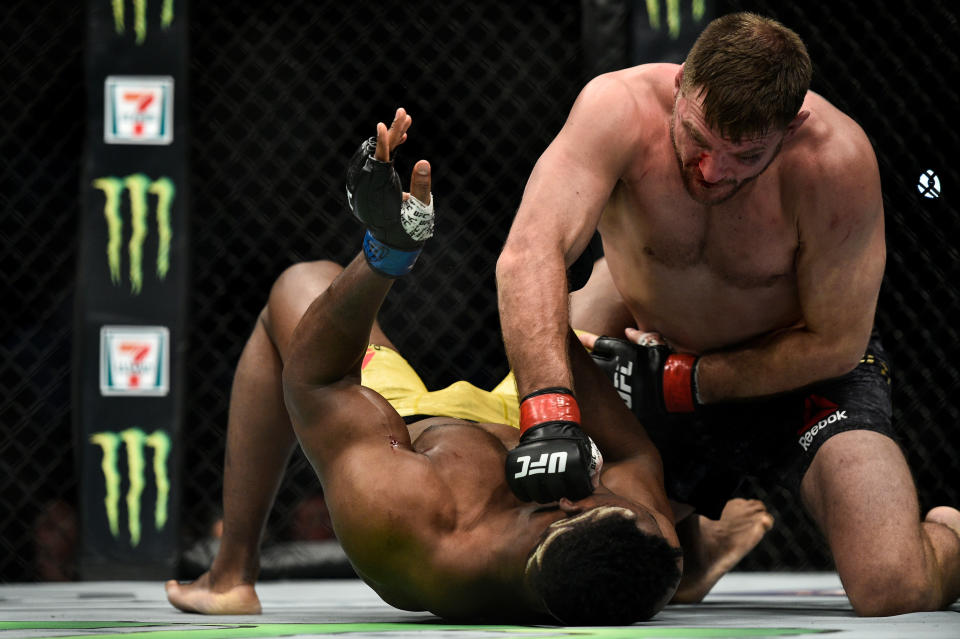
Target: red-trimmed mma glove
column 554, row 458
column 652, row 380
column 396, row 228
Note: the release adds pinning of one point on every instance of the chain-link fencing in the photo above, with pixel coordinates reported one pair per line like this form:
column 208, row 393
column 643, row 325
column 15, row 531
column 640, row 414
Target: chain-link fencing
column 281, row 93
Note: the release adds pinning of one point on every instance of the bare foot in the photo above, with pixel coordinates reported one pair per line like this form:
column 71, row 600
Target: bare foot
column 946, row 549
column 947, row 516
column 207, row 598
column 712, row 548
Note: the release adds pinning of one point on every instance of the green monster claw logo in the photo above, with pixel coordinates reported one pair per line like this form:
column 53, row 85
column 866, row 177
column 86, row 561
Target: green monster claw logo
column 139, row 186
column 140, row 17
column 697, row 8
column 134, row 440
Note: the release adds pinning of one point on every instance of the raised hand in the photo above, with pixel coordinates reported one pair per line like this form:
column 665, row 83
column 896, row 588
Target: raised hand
column 398, row 223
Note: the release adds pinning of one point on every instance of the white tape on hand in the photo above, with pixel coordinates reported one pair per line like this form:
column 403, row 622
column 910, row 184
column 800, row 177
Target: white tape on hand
column 417, row 218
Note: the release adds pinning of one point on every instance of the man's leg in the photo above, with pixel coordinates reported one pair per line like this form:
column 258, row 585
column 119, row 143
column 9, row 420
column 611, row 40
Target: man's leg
column 597, row 307
column 860, row 492
column 260, row 439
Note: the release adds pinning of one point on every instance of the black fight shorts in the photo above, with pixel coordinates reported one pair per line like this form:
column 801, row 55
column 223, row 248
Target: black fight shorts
column 707, row 454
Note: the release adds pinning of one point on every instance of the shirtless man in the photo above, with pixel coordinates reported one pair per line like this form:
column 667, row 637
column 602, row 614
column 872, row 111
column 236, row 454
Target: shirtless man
column 742, row 225
column 424, row 511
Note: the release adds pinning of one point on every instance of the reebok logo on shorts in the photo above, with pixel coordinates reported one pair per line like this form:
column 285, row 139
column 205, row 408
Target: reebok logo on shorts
column 818, row 413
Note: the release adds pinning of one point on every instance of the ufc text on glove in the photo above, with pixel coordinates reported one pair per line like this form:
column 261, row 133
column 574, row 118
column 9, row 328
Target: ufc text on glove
column 554, row 457
column 652, row 380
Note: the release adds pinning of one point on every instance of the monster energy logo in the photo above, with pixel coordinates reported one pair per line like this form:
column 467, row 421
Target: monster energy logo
column 697, row 8
column 139, row 186
column 140, row 17
column 134, row 440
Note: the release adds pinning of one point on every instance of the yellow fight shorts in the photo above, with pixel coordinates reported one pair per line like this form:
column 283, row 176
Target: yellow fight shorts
column 386, row 372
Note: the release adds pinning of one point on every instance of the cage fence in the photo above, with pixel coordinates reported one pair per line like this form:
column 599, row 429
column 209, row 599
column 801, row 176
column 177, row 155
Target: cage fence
column 281, row 95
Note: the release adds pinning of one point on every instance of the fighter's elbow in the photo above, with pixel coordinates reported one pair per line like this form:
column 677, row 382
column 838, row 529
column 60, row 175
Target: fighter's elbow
column 512, row 261
column 843, row 365
column 856, row 353
column 841, row 357
column 292, row 375
column 525, row 252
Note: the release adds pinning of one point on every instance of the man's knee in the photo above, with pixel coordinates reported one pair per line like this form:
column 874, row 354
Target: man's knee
column 292, row 292
column 318, row 274
column 890, row 589
column 303, row 281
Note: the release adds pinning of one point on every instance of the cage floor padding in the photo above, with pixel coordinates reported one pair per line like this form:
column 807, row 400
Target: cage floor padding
column 741, row 605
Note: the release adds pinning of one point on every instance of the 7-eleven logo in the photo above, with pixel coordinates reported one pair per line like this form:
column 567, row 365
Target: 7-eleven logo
column 138, row 110
column 141, row 104
column 137, row 353
column 134, row 360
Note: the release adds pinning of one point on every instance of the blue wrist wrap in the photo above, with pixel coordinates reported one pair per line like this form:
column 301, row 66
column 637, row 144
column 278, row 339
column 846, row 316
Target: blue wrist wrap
column 387, row 260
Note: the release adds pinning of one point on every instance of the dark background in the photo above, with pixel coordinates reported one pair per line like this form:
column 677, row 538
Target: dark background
column 281, row 93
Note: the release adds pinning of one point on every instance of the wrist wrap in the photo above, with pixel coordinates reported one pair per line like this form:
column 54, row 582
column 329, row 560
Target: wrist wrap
column 679, row 383
column 386, row 260
column 548, row 405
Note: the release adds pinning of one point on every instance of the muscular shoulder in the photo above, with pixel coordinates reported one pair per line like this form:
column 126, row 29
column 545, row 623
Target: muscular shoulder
column 619, row 103
column 646, row 86
column 830, row 169
column 830, row 151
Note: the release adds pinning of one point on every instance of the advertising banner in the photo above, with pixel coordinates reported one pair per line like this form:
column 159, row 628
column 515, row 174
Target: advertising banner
column 131, row 295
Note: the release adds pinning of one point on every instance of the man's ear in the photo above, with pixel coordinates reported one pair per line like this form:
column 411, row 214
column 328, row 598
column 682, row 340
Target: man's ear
column 677, row 79
column 570, row 507
column 796, row 123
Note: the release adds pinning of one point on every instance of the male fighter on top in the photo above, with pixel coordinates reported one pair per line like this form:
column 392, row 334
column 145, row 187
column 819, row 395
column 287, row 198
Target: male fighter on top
column 424, row 512
column 742, row 224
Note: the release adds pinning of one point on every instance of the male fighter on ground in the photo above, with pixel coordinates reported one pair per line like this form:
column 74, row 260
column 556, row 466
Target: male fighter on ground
column 742, row 224
column 424, row 512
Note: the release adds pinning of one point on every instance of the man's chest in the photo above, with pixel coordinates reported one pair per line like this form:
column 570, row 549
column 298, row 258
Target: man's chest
column 746, row 242
column 466, row 457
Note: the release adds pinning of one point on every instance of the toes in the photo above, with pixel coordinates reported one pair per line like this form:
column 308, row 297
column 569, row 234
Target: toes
column 739, row 506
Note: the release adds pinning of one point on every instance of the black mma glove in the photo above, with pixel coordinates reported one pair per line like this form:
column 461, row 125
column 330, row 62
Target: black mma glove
column 554, row 458
column 652, row 380
column 396, row 229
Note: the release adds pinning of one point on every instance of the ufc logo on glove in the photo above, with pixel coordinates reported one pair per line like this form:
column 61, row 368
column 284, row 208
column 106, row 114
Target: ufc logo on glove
column 552, row 463
column 620, row 378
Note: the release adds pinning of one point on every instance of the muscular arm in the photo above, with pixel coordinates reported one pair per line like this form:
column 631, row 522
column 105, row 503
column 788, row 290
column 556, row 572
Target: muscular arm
column 605, row 417
column 561, row 206
column 840, row 265
column 386, row 501
column 607, row 420
column 337, row 324
column 325, row 352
